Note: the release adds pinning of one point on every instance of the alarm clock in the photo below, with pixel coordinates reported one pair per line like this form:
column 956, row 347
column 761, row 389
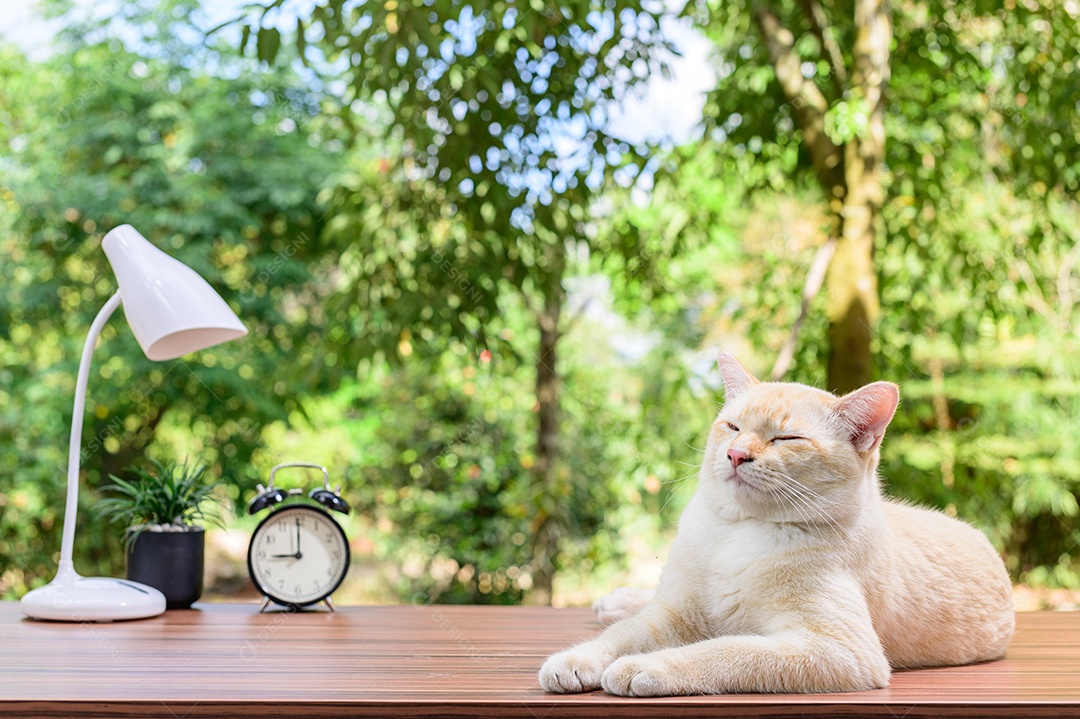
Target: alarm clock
column 299, row 553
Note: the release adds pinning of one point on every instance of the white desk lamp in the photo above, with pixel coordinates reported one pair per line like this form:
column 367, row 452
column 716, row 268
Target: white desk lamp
column 171, row 311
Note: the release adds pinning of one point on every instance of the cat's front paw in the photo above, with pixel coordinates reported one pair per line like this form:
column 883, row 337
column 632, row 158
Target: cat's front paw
column 621, row 604
column 572, row 671
column 642, row 675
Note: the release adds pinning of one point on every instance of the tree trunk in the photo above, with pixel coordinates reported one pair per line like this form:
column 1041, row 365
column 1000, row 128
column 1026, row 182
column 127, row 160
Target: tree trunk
column 549, row 500
column 852, row 307
column 852, row 303
column 546, row 529
column 850, row 174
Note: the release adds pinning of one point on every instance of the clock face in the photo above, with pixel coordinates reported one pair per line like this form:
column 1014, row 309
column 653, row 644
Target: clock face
column 298, row 555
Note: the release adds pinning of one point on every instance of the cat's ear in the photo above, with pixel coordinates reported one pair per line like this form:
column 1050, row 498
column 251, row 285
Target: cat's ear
column 866, row 412
column 736, row 379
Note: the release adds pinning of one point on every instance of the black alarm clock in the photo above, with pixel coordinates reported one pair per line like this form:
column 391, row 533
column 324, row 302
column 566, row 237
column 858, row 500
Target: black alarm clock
column 298, row 554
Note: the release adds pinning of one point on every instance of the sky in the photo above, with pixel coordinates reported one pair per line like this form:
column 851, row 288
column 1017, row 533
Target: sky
column 667, row 109
column 671, row 109
column 664, row 110
column 20, row 25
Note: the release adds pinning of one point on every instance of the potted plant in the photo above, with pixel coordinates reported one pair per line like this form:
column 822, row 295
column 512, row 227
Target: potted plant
column 160, row 508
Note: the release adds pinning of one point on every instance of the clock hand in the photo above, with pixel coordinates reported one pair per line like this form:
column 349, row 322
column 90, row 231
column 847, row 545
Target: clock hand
column 298, row 537
column 285, row 556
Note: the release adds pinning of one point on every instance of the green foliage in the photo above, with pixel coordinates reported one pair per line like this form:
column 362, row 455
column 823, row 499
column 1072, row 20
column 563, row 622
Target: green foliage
column 452, row 478
column 437, row 458
column 399, row 246
column 223, row 175
column 473, row 196
column 1005, row 462
column 977, row 259
column 495, row 147
column 165, row 493
column 990, row 389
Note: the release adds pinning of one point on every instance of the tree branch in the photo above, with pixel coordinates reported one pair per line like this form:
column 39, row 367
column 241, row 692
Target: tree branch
column 806, row 99
column 1064, row 289
column 1035, row 299
column 815, row 277
column 576, row 317
column 819, row 24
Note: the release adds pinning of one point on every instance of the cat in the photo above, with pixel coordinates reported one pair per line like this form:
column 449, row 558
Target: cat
column 790, row 572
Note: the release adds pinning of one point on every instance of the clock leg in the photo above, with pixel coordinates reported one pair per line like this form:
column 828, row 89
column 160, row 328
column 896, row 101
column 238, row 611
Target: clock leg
column 264, row 605
column 329, row 602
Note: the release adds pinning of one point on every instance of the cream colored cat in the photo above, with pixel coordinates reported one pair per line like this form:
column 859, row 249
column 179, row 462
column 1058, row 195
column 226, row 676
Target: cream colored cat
column 790, row 573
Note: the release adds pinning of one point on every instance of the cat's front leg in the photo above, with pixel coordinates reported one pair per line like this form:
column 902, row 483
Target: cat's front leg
column 576, row 670
column 621, row 603
column 580, row 669
column 738, row 664
column 644, row 675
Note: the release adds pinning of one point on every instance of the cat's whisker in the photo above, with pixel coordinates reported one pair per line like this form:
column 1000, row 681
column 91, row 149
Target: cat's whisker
column 684, row 478
column 811, row 497
column 801, row 505
column 782, row 495
column 677, row 484
column 807, row 508
column 811, row 492
column 814, row 498
column 667, row 501
column 696, row 449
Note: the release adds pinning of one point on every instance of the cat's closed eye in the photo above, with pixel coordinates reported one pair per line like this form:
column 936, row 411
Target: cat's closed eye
column 731, row 427
column 788, row 438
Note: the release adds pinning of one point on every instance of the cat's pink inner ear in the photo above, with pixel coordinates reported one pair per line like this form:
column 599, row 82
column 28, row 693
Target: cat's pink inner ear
column 867, row 412
column 736, row 379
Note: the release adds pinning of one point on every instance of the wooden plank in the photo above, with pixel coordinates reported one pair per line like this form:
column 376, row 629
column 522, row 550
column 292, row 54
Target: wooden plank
column 228, row 660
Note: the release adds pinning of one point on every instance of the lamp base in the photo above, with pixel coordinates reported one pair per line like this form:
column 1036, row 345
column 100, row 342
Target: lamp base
column 72, row 598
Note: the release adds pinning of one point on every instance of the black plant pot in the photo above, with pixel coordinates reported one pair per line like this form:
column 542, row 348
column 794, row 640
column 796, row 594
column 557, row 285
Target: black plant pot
column 171, row 562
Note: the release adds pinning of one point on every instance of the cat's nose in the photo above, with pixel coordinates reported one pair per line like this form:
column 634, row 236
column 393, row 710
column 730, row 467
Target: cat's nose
column 738, row 456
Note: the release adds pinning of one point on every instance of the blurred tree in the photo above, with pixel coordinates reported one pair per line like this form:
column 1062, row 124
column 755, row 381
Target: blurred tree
column 814, row 89
column 977, row 255
column 788, row 93
column 464, row 514
column 456, row 232
column 496, row 151
column 980, row 270
column 222, row 174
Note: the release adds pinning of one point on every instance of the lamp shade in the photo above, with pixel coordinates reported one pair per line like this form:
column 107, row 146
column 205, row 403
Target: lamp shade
column 171, row 309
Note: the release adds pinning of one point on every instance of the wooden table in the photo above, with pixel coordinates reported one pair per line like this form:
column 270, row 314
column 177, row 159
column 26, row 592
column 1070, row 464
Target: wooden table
column 226, row 660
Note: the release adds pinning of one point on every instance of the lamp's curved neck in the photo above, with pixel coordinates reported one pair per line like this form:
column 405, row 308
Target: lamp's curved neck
column 67, row 545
